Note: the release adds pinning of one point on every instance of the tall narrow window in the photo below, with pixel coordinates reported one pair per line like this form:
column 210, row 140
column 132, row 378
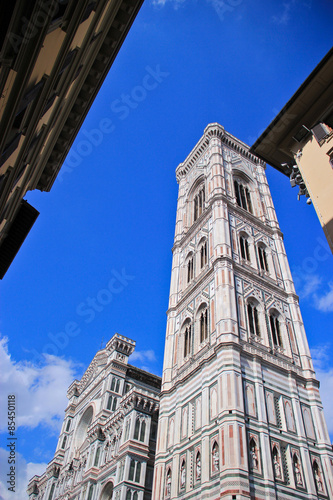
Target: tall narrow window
column 114, row 404
column 91, row 491
column 51, row 491
column 98, row 451
column 252, row 313
column 198, row 203
column 137, row 429
column 243, row 197
column 115, row 383
column 263, row 259
column 190, row 269
column 203, row 255
column 108, row 406
column 187, row 341
column 275, row 329
column 244, row 248
column 132, row 470
column 143, row 431
column 203, row 325
column 63, row 444
column 68, row 424
column 127, row 429
column 128, row 495
column 138, row 472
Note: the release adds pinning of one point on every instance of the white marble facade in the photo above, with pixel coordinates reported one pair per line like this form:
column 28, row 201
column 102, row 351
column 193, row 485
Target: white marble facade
column 107, row 443
column 240, row 410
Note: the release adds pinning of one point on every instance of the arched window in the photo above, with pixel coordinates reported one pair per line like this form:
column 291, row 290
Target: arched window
column 63, row 444
column 135, row 496
column 114, row 404
column 203, row 254
column 132, row 470
column 275, row 329
column 127, row 429
column 137, row 429
column 215, row 457
column 253, row 318
column 203, row 325
column 187, row 341
column 263, row 263
column 140, row 430
column 98, row 452
column 168, row 483
column 138, row 472
column 243, row 197
column 109, row 404
column 115, row 383
column 190, row 269
column 143, row 431
column 91, row 491
column 135, row 471
column 244, row 247
column 128, row 495
column 68, row 424
column 199, row 203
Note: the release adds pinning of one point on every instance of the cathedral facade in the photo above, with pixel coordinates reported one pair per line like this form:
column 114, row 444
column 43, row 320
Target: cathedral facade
column 240, row 411
column 107, row 444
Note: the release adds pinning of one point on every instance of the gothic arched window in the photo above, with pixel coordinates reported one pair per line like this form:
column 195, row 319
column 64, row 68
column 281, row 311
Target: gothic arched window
column 187, row 340
column 63, row 444
column 275, row 329
column 128, row 495
column 253, row 317
column 140, row 430
column 190, row 269
column 244, row 247
column 203, row 319
column 198, row 203
column 131, row 470
column 263, row 263
column 115, row 383
column 243, row 197
column 203, row 254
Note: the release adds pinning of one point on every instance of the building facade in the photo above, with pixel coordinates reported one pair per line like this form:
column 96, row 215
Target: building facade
column 240, row 410
column 107, row 443
column 299, row 142
column 54, row 56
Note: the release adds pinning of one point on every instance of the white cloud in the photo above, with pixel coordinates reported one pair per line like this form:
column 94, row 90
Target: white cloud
column 311, row 285
column 324, row 373
column 23, row 473
column 325, row 302
column 40, row 390
column 143, row 356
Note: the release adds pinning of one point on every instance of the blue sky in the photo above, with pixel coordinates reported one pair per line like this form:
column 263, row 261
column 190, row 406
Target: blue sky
column 110, row 215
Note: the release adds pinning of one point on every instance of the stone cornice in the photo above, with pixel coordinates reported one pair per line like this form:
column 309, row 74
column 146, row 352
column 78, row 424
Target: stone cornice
column 214, row 130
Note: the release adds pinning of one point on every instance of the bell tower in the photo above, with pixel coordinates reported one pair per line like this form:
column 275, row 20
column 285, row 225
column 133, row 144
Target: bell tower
column 240, row 411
